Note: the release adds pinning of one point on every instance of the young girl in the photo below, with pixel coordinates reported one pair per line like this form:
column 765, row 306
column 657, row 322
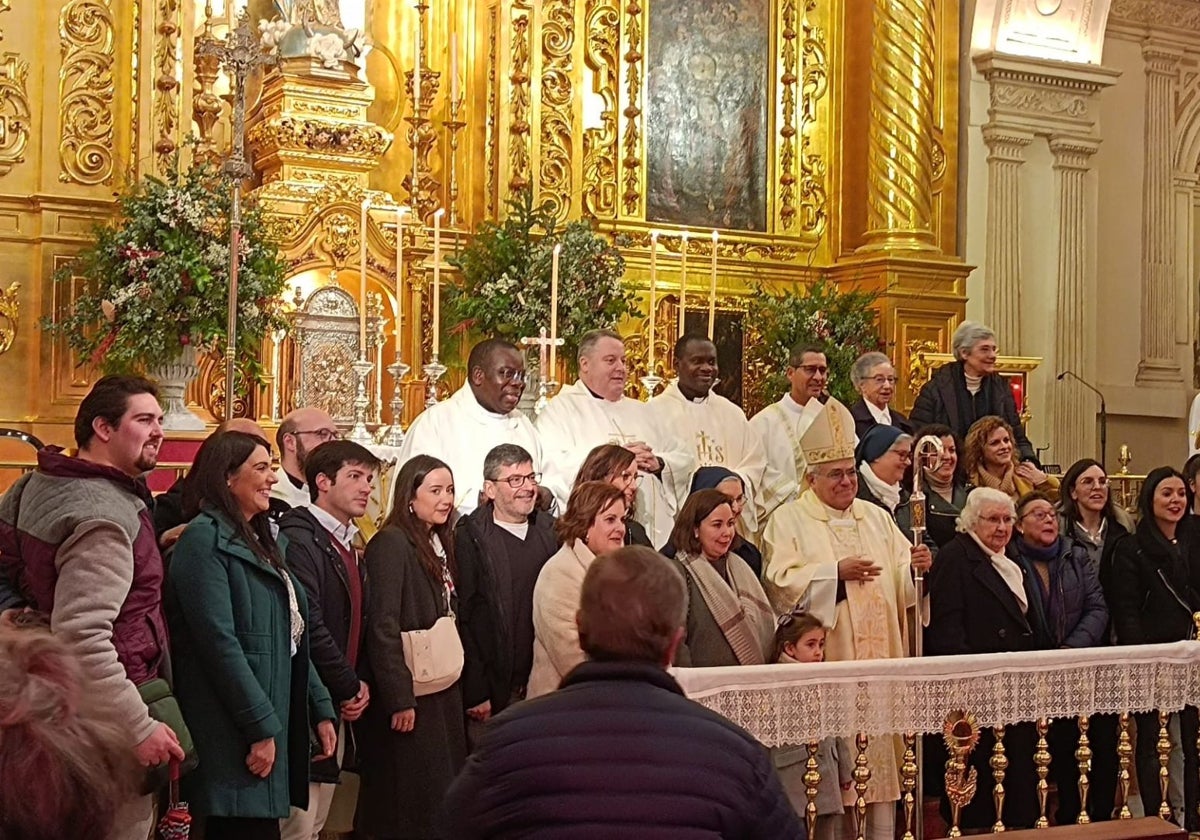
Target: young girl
column 800, row 638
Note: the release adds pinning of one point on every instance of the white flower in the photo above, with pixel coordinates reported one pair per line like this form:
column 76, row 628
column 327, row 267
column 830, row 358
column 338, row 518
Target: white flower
column 327, row 48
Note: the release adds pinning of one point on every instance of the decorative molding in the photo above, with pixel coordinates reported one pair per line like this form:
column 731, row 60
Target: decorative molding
column 14, row 111
column 166, row 84
column 631, row 198
column 491, row 134
column 86, row 92
column 557, row 112
column 787, row 129
column 321, row 137
column 10, row 312
column 701, row 247
column 1016, row 95
column 603, row 19
column 1042, row 96
column 1170, row 14
column 519, row 152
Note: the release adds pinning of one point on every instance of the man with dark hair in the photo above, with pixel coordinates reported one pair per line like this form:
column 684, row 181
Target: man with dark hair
column 77, row 541
column 500, row 548
column 300, row 431
column 719, row 432
column 324, row 554
column 481, row 414
column 629, row 732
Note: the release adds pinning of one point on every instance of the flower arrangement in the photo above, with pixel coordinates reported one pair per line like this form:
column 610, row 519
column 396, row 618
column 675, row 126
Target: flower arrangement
column 505, row 289
column 844, row 323
column 157, row 279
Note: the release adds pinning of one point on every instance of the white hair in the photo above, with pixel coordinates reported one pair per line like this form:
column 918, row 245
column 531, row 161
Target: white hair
column 968, row 334
column 980, row 498
column 864, row 365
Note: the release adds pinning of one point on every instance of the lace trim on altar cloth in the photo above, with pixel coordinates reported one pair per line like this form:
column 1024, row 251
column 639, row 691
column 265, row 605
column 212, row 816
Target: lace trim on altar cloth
column 795, row 704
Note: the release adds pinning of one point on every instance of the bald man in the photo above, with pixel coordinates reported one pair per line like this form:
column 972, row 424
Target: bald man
column 302, row 430
column 169, row 520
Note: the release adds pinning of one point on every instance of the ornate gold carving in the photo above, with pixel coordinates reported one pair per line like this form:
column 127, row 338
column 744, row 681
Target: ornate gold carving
column 491, row 135
column 340, row 236
column 14, row 111
column 5, row 6
column 631, row 199
column 1083, row 755
column 1124, row 759
column 725, row 248
column 787, row 131
column 908, row 785
column 166, row 85
column 10, row 310
column 999, row 764
column 961, row 734
column 557, row 114
column 321, row 136
column 1163, row 747
column 1041, row 761
column 206, row 105
column 600, row 144
column 812, row 781
column 86, row 92
column 900, row 139
column 518, row 154
column 815, row 82
column 862, row 776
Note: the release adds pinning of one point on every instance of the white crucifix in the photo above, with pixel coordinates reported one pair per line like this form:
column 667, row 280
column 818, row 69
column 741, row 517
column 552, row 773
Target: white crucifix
column 546, row 382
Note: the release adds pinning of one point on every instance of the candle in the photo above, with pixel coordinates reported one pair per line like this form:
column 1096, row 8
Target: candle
column 683, row 249
column 712, row 290
column 554, row 308
column 454, row 67
column 400, row 211
column 653, row 296
column 362, row 282
column 416, row 105
column 437, row 279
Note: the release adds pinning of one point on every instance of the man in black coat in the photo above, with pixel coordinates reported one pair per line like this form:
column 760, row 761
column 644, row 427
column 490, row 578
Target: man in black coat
column 322, row 552
column 618, row 751
column 969, row 388
column 500, row 548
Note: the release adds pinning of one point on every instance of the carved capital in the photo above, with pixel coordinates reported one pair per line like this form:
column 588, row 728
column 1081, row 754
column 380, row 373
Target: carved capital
column 1073, row 152
column 1041, row 96
column 1161, row 59
column 1006, row 142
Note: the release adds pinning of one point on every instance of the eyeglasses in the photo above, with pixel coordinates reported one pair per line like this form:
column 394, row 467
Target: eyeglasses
column 905, row 454
column 1041, row 514
column 813, row 370
column 1102, row 481
column 507, row 374
column 997, row 521
column 837, row 476
column 630, row 477
column 516, row 482
column 738, row 500
column 323, row 434
column 885, row 380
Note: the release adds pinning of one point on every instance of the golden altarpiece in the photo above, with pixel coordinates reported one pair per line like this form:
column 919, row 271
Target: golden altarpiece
column 819, row 137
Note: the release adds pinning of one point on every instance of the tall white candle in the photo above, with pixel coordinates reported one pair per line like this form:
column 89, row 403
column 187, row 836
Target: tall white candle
column 437, row 280
column 362, row 282
column 453, row 66
column 712, row 290
column 400, row 211
column 653, row 298
column 554, row 309
column 416, row 103
column 683, row 249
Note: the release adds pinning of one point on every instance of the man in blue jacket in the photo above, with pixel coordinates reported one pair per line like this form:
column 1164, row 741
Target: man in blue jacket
column 618, row 751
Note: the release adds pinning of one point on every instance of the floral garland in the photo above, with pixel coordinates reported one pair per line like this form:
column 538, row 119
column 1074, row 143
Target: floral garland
column 157, row 279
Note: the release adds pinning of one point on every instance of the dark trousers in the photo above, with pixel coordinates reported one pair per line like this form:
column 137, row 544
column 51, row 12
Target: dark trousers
column 1063, row 739
column 240, row 828
column 1147, row 766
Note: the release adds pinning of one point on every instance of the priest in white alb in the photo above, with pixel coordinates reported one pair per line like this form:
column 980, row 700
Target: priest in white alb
column 480, row 415
column 718, row 431
column 594, row 411
column 845, row 561
column 782, row 424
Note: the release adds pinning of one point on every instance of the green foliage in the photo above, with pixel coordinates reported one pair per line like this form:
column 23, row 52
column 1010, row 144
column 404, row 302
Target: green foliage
column 844, row 323
column 506, row 268
column 158, row 278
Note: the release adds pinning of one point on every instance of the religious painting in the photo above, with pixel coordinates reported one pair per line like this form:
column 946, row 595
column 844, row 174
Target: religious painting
column 727, row 335
column 706, row 113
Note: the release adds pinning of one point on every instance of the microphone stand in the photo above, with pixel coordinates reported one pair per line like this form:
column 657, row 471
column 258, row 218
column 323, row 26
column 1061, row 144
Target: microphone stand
column 1103, row 411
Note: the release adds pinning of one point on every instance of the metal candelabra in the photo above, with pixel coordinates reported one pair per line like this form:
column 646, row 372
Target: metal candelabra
column 393, row 435
column 433, row 371
column 359, row 433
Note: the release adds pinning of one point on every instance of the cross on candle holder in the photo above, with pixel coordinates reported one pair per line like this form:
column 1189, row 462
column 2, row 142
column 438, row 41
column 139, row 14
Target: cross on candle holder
column 545, row 386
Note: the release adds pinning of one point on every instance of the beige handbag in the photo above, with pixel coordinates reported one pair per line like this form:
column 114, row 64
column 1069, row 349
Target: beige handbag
column 434, row 657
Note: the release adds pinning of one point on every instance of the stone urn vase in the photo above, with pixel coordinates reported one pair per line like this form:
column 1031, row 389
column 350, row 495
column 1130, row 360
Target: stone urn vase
column 173, row 380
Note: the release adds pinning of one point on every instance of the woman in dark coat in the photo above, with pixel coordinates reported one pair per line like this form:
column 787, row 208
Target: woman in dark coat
column 945, row 489
column 979, row 602
column 1068, row 612
column 615, row 465
column 1152, row 593
column 1089, row 514
column 239, row 628
column 410, row 747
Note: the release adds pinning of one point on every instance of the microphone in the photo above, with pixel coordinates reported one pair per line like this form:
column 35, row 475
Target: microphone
column 1103, row 408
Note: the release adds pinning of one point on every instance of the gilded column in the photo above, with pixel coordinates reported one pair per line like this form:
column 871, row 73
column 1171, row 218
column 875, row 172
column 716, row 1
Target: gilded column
column 1158, row 363
column 1073, row 408
column 1006, row 154
column 900, row 140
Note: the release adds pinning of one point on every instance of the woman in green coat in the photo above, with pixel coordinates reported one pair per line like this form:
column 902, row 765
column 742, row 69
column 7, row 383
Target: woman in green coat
column 239, row 628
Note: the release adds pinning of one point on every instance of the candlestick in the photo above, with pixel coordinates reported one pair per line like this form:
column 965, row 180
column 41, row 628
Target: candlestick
column 712, row 290
column 683, row 249
column 554, row 309
column 400, row 211
column 653, row 295
column 393, row 435
column 437, row 281
column 362, row 283
column 453, row 66
column 359, row 434
column 434, row 371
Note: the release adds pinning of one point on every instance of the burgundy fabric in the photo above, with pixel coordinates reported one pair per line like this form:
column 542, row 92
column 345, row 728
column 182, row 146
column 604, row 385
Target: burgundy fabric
column 351, row 560
column 139, row 631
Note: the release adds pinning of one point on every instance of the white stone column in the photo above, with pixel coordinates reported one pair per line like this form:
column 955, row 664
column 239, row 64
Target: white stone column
column 1159, row 363
column 1002, row 267
column 1073, row 407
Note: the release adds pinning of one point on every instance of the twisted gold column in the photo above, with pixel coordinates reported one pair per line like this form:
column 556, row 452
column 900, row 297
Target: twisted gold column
column 900, row 138
column 1041, row 760
column 1084, row 756
column 861, row 775
column 1124, row 756
column 1164, row 759
column 812, row 780
column 999, row 764
column 908, row 784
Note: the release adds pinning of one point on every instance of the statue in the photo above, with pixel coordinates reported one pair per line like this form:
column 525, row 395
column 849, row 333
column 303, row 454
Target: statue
column 311, row 28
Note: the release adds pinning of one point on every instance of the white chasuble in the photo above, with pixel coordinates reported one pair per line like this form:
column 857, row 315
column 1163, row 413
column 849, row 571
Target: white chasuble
column 802, row 545
column 575, row 421
column 780, row 426
column 721, row 436
column 461, row 432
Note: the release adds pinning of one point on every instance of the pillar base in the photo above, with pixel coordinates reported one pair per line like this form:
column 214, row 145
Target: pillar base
column 891, row 241
column 1159, row 371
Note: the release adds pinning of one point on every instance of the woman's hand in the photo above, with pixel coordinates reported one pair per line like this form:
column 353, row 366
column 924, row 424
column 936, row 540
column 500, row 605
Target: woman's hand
column 404, row 721
column 327, row 735
column 261, row 758
column 1031, row 473
column 481, row 712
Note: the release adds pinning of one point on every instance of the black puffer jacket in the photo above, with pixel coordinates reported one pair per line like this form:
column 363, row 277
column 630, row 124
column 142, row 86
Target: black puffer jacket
column 617, row 752
column 1153, row 587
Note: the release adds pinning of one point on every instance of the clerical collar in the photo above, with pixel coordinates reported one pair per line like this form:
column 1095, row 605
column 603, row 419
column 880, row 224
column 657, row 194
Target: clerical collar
column 695, row 400
column 790, row 403
column 590, row 391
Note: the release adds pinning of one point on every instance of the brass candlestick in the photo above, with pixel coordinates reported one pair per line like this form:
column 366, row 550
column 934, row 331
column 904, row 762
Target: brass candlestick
column 422, row 187
column 453, row 126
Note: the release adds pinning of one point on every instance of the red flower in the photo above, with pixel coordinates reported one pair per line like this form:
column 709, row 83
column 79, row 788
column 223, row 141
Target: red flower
column 103, row 347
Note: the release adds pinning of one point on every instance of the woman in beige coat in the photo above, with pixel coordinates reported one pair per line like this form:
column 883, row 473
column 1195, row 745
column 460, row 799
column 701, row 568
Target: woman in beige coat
column 594, row 523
